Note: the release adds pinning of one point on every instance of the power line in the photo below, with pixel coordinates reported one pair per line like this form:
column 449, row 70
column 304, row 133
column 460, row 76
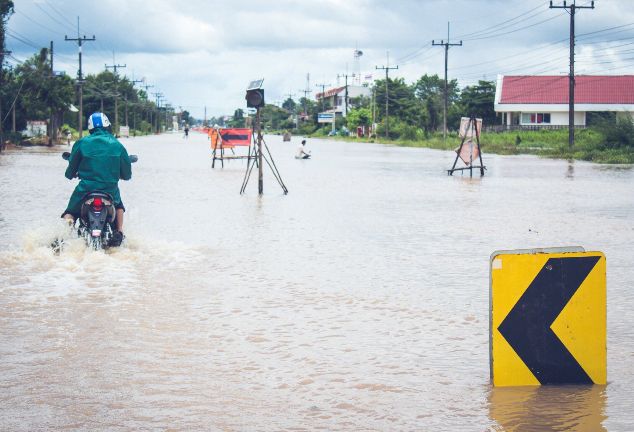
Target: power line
column 66, row 26
column 61, row 15
column 500, row 24
column 21, row 38
column 496, row 35
column 426, row 48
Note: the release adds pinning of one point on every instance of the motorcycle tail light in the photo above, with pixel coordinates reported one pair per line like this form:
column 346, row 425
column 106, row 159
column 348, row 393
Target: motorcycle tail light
column 97, row 203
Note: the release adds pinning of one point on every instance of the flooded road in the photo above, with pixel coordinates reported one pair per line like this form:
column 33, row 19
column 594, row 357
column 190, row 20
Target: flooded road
column 359, row 301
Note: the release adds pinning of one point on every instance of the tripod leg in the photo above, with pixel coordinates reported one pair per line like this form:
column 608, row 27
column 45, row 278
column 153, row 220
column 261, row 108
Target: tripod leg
column 453, row 168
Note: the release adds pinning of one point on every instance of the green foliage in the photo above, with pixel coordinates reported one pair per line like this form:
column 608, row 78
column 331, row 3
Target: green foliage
column 39, row 96
column 619, row 134
column 359, row 117
column 430, row 91
column 478, row 100
column 6, row 10
column 289, row 105
column 275, row 118
column 144, row 127
column 238, row 119
column 36, row 92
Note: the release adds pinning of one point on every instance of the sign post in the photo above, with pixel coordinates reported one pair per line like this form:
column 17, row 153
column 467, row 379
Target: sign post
column 548, row 317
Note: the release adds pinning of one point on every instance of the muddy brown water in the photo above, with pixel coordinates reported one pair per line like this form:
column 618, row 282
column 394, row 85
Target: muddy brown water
column 359, row 301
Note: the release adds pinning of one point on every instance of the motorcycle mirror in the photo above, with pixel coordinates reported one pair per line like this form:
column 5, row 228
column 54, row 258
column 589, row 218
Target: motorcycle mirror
column 65, row 155
column 133, row 158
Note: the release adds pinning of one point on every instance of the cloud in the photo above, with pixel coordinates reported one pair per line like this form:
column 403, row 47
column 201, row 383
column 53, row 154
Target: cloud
column 203, row 53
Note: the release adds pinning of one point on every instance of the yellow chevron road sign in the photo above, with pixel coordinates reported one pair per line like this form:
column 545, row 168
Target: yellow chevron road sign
column 548, row 317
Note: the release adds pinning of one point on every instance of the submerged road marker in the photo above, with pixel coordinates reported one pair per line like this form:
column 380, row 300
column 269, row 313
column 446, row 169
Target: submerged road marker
column 547, row 317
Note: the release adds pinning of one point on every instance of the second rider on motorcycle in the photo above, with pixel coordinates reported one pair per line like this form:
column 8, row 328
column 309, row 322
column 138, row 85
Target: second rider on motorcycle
column 99, row 160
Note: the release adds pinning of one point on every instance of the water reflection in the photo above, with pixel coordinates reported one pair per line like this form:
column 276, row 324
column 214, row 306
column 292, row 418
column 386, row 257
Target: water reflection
column 571, row 169
column 552, row 408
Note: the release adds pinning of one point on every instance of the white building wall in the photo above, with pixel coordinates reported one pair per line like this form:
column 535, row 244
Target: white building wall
column 561, row 118
column 557, row 118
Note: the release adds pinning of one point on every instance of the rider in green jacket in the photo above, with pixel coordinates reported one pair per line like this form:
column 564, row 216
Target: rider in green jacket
column 99, row 160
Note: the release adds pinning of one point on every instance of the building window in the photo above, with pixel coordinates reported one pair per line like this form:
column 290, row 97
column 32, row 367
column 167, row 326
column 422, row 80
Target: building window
column 535, row 118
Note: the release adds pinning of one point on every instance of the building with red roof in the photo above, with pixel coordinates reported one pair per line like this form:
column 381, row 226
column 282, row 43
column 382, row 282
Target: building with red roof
column 526, row 100
column 337, row 99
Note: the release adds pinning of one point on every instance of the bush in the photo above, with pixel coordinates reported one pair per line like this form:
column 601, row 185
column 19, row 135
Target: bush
column 12, row 137
column 619, row 135
column 144, row 127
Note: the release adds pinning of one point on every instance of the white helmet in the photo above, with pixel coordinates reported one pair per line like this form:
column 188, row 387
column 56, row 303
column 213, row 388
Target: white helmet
column 98, row 120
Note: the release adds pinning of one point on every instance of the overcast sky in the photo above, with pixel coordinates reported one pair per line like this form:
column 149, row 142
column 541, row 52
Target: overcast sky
column 204, row 52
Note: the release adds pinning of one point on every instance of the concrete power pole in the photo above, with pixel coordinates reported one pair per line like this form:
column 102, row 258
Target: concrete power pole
column 323, row 94
column 51, row 123
column 571, row 78
column 446, row 45
column 2, row 54
column 134, row 81
column 387, row 109
column 116, row 67
column 147, row 95
column 345, row 101
column 80, row 77
column 306, row 91
column 158, row 96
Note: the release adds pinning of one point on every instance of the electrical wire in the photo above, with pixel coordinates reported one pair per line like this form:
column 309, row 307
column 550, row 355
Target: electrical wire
column 496, row 26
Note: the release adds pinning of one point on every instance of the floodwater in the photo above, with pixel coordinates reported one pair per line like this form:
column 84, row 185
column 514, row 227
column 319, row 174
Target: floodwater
column 357, row 302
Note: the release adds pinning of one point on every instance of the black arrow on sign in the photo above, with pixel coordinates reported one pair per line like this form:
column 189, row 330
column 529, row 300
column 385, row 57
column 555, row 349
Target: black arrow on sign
column 527, row 327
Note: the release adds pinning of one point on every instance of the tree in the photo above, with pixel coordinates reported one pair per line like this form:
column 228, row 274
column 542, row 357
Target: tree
column 276, row 118
column 430, row 90
column 6, row 10
column 359, row 117
column 402, row 103
column 185, row 118
column 40, row 91
column 478, row 100
column 238, row 118
column 289, row 105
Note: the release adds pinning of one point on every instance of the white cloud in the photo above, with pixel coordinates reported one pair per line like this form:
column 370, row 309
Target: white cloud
column 203, row 53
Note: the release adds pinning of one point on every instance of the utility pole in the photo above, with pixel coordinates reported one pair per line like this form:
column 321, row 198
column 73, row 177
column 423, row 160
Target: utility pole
column 346, row 92
column 80, row 77
column 51, row 123
column 116, row 67
column 446, row 45
column 158, row 96
column 147, row 96
column 290, row 96
column 571, row 78
column 2, row 54
column 373, row 108
column 387, row 109
column 134, row 81
column 323, row 94
column 167, row 108
column 306, row 91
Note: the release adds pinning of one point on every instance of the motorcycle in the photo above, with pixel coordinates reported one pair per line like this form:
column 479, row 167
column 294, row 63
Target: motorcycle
column 97, row 218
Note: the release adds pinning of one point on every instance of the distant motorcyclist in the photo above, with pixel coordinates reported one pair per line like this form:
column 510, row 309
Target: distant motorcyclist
column 99, row 160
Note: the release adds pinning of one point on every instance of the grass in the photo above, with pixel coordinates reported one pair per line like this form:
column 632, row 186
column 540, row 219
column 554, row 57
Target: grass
column 589, row 144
